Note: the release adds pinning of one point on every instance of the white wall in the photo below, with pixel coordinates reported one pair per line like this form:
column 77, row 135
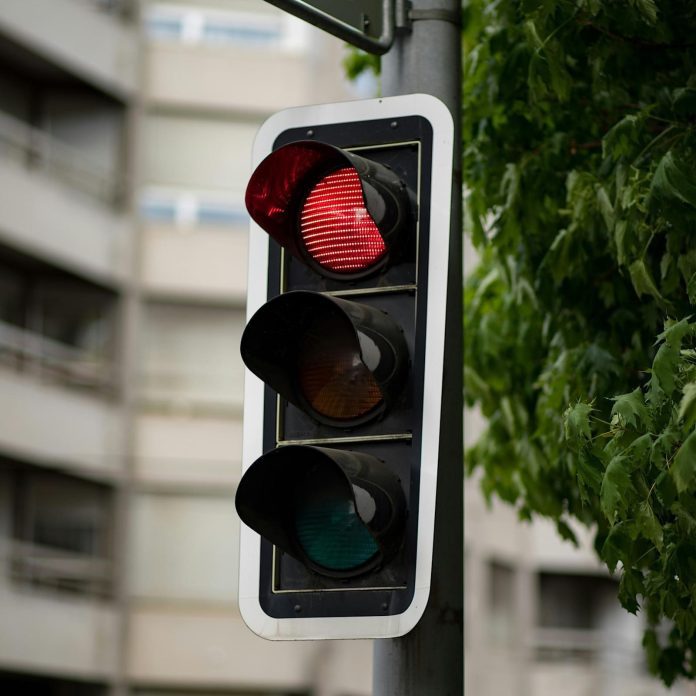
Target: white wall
column 77, row 37
column 59, row 427
column 46, row 218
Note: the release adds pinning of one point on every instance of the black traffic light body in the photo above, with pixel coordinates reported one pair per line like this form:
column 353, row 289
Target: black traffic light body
column 345, row 337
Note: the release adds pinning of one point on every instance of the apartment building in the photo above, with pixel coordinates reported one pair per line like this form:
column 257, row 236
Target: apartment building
column 125, row 133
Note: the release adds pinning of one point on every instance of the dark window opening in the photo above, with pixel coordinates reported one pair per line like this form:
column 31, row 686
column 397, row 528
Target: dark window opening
column 62, row 528
column 55, row 325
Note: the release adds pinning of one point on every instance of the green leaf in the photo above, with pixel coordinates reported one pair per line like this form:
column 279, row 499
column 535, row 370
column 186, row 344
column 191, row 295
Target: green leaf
column 615, row 484
column 684, row 103
column 665, row 489
column 616, row 547
column 649, row 525
column 691, row 289
column 606, row 209
column 640, row 447
column 619, row 240
column 631, row 408
column 652, row 650
column 648, row 9
column 642, row 280
column 687, row 521
column 664, row 369
column 630, row 586
column 620, row 140
column 474, row 386
column 684, row 465
column 687, row 406
column 576, row 422
column 663, row 447
column 590, row 474
column 674, row 180
column 565, row 532
column 675, row 331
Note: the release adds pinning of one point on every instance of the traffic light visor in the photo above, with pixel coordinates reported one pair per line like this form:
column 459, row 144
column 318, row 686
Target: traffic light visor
column 340, row 512
column 339, row 213
column 341, row 362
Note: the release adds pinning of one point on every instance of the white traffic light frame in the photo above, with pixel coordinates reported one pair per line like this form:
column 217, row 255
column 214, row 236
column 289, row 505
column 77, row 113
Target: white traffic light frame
column 294, row 628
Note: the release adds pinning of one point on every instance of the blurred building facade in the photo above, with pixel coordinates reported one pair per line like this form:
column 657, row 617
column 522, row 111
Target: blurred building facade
column 125, row 132
column 542, row 617
column 125, row 140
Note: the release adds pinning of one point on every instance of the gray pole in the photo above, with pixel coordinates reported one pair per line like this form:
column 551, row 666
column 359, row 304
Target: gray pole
column 429, row 661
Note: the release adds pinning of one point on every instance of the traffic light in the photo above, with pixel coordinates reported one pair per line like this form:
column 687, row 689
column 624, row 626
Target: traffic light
column 344, row 346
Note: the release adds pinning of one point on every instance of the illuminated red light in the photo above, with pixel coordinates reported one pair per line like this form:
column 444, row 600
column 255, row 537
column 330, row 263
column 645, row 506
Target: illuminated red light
column 336, row 228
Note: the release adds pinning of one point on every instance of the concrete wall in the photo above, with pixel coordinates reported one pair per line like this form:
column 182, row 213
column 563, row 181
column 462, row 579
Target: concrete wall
column 201, row 263
column 59, row 427
column 77, row 38
column 62, row 225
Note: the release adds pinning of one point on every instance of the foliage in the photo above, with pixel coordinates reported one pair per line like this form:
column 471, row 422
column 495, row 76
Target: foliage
column 580, row 344
column 356, row 62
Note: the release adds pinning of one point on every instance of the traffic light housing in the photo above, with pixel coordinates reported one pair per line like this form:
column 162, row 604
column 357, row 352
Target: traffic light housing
column 344, row 343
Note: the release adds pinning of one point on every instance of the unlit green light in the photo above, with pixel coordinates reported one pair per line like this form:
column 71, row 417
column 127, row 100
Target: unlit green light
column 332, row 535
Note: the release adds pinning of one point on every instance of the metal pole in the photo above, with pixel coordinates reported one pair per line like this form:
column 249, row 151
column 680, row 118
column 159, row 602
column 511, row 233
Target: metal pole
column 429, row 661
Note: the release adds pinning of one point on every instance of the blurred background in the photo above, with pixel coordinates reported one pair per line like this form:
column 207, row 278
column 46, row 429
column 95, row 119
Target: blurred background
column 125, row 144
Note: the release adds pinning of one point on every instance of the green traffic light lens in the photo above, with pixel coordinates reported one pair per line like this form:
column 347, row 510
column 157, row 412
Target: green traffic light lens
column 332, row 534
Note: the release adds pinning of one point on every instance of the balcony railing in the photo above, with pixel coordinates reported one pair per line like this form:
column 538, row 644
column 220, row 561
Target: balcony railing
column 27, row 351
column 37, row 150
column 198, row 392
column 63, row 570
column 568, row 645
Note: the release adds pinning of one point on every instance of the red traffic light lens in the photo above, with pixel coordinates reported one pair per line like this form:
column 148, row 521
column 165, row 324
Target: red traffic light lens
column 331, row 375
column 336, row 228
column 344, row 215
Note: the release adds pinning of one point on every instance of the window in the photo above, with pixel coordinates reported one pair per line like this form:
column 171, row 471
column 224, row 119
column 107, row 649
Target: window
column 56, row 326
column 211, row 213
column 191, row 359
column 155, row 209
column 502, row 604
column 187, row 209
column 12, row 300
column 226, row 32
column 210, row 160
column 185, row 548
column 572, row 611
column 219, row 27
column 62, row 528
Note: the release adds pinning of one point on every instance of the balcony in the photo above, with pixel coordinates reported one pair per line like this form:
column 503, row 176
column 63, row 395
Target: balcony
column 208, row 647
column 56, row 569
column 194, row 245
column 297, row 61
column 183, row 450
column 55, row 572
column 58, row 204
column 54, row 362
column 47, row 393
column 78, row 38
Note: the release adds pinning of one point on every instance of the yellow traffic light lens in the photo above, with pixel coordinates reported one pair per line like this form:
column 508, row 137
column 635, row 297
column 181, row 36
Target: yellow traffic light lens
column 332, row 377
column 336, row 228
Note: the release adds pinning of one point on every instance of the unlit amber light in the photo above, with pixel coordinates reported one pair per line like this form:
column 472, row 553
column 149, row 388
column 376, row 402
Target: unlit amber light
column 334, row 380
